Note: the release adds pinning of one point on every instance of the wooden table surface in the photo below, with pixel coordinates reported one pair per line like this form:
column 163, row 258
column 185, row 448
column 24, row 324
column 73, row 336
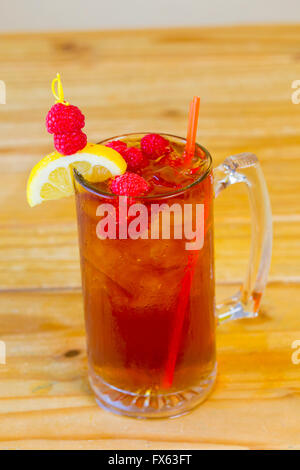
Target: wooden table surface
column 144, row 80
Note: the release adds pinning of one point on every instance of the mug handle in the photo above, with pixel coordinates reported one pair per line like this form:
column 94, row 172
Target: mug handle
column 245, row 168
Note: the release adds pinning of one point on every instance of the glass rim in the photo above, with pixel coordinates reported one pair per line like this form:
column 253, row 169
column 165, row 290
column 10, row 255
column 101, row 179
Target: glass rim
column 92, row 188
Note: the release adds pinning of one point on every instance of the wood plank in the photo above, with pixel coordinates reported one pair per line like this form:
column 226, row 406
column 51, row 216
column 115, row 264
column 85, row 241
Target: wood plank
column 230, row 427
column 110, row 444
column 124, row 81
column 45, row 254
column 44, row 393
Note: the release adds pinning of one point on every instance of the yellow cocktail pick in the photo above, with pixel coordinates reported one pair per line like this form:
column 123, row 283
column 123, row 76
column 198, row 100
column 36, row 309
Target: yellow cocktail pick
column 57, row 90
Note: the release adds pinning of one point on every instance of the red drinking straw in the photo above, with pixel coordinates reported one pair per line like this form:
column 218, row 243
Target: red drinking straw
column 179, row 319
column 187, row 279
column 192, row 129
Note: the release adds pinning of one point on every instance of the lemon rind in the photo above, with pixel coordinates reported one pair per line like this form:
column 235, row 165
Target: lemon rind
column 39, row 175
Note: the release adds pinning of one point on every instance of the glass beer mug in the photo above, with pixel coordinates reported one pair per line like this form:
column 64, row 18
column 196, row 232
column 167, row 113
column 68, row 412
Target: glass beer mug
column 150, row 308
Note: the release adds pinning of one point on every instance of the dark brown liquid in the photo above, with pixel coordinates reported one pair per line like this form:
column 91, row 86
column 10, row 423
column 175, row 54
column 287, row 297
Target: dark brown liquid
column 149, row 304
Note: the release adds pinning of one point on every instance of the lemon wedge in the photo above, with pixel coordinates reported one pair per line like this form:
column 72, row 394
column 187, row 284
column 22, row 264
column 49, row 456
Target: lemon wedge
column 52, row 177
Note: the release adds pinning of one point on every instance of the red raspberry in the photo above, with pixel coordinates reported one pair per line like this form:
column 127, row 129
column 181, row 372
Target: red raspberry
column 117, row 145
column 62, row 119
column 67, row 144
column 154, row 145
column 135, row 159
column 129, row 184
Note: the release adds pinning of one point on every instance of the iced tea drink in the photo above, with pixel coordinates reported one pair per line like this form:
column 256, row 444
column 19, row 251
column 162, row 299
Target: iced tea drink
column 149, row 303
column 145, row 226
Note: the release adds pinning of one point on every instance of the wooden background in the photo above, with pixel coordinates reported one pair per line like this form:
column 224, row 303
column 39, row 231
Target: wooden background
column 144, row 80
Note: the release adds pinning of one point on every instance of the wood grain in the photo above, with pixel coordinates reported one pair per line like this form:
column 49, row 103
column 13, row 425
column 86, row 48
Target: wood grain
column 144, row 80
